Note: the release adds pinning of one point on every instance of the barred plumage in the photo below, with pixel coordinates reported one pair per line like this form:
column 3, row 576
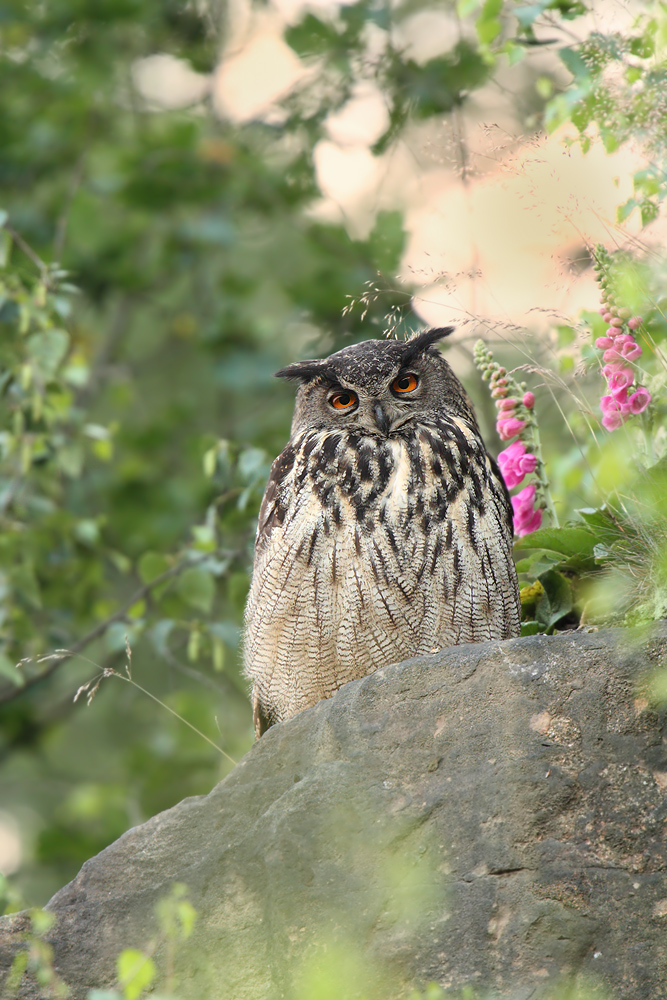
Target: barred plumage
column 385, row 531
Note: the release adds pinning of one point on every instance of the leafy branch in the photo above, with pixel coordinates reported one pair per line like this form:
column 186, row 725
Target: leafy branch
column 56, row 660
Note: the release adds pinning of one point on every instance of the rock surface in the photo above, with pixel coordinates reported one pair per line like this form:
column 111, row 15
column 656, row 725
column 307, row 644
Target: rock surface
column 492, row 816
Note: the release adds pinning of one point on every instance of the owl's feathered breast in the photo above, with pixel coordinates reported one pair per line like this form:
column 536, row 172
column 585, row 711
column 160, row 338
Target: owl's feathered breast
column 431, row 474
column 370, row 550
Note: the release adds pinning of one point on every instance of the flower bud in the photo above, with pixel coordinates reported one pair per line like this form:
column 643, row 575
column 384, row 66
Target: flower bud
column 528, row 400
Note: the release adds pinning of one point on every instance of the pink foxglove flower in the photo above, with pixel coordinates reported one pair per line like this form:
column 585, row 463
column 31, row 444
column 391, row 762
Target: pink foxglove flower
column 617, row 366
column 516, row 419
column 639, row 400
column 624, row 338
column 508, row 428
column 515, row 463
column 612, row 421
column 614, row 412
column 620, row 382
column 619, row 347
column 630, row 351
column 526, row 518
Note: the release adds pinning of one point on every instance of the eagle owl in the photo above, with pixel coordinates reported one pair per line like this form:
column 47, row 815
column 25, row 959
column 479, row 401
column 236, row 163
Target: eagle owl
column 385, row 530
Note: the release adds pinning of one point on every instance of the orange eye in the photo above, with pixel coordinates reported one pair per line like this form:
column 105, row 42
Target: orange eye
column 405, row 383
column 343, row 400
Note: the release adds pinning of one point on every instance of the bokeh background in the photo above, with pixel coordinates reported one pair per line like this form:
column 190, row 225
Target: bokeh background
column 193, row 194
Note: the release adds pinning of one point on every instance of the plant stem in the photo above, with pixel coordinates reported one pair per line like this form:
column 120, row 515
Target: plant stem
column 540, row 471
column 162, row 704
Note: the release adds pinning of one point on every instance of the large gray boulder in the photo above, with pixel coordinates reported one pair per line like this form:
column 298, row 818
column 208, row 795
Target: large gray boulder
column 492, row 816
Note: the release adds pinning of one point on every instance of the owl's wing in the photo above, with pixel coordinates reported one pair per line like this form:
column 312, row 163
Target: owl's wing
column 502, row 494
column 273, row 509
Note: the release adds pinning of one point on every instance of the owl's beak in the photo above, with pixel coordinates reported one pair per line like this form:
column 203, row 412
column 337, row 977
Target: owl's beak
column 381, row 419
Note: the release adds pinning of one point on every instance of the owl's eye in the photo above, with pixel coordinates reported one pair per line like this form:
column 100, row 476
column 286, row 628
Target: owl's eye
column 343, row 400
column 405, row 383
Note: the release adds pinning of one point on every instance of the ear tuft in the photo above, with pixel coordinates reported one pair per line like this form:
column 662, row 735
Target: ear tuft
column 422, row 341
column 303, row 370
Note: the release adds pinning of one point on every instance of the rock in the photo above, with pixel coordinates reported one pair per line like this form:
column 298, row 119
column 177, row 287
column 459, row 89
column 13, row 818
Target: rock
column 491, row 816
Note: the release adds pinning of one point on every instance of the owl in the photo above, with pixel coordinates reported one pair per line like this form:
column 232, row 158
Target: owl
column 385, row 531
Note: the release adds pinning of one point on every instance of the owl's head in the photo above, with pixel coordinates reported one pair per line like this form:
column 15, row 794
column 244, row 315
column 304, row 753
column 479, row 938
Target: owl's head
column 379, row 386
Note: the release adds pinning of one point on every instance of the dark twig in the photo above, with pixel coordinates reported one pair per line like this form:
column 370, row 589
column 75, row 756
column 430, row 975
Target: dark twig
column 29, row 252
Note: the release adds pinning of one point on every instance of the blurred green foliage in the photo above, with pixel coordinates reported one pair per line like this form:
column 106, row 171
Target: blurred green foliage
column 155, row 268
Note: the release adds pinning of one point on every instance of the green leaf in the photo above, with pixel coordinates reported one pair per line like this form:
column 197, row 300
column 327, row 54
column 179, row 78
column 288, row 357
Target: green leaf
column 527, row 14
column 610, row 140
column 135, row 972
column 515, row 53
column 466, row 7
column 581, row 115
column 41, row 921
column 252, row 464
column 118, row 632
column 194, row 645
column 151, row 565
column 566, row 336
column 576, row 65
column 649, row 211
column 204, row 538
column 488, row 29
column 187, row 916
column 312, row 37
column 544, row 87
column 603, row 524
column 531, row 628
column 570, row 540
column 46, row 350
column 197, row 587
column 487, row 25
column 217, row 653
column 210, row 461
column 557, row 600
column 160, row 633
column 626, row 209
column 16, row 973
